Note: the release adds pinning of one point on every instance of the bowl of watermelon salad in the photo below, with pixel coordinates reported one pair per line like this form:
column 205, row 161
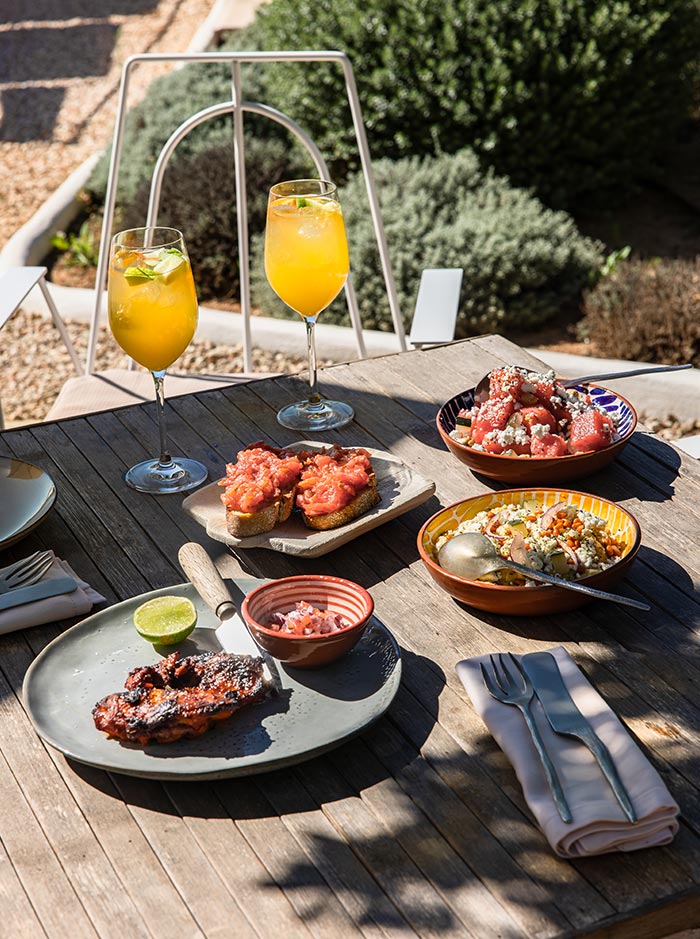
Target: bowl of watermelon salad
column 531, row 430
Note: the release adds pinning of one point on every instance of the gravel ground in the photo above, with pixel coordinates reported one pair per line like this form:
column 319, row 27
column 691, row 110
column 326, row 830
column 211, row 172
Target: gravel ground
column 60, row 64
column 28, row 392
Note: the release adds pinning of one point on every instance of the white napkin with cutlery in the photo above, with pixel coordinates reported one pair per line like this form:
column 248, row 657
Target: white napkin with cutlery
column 51, row 609
column 599, row 825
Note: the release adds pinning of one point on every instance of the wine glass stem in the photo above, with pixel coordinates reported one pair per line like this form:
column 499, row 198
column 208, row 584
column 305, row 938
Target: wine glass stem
column 314, row 396
column 159, row 379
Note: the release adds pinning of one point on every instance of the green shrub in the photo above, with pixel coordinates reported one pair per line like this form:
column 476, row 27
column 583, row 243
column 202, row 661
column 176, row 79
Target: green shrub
column 572, row 97
column 198, row 197
column 170, row 100
column 523, row 263
column 198, row 193
column 647, row 311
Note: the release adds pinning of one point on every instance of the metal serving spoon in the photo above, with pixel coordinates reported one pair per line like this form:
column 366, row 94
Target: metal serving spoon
column 472, row 555
column 482, row 386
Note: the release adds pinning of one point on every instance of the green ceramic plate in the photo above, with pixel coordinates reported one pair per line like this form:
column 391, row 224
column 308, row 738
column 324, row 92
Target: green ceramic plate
column 315, row 711
column 27, row 494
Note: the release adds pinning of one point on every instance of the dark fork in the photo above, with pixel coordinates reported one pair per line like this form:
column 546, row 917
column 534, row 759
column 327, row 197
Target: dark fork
column 514, row 687
column 25, row 572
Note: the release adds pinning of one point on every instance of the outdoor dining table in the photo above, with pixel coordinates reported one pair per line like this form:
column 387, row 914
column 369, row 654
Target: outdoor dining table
column 417, row 826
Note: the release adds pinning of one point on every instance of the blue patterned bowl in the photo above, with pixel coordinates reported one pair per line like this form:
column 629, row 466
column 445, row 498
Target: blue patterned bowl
column 533, row 471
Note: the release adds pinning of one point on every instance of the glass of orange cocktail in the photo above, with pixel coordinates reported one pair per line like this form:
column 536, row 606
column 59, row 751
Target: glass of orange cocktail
column 153, row 314
column 307, row 264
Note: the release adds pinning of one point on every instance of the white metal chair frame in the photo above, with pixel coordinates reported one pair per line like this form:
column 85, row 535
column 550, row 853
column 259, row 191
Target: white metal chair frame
column 237, row 106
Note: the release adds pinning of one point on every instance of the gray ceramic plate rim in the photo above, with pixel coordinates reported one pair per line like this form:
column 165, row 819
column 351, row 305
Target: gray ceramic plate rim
column 39, row 514
column 111, row 628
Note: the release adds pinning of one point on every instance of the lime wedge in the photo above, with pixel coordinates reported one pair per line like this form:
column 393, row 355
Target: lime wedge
column 165, row 621
column 311, row 205
column 170, row 262
column 139, row 275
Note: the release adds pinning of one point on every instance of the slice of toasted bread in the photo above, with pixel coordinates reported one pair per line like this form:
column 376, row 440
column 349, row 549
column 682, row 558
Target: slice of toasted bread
column 362, row 502
column 245, row 524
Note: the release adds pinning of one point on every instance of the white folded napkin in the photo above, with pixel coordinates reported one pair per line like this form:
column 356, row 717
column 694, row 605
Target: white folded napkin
column 599, row 825
column 51, row 609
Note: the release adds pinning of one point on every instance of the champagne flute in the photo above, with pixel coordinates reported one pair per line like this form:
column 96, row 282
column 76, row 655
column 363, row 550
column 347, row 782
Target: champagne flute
column 153, row 314
column 307, row 264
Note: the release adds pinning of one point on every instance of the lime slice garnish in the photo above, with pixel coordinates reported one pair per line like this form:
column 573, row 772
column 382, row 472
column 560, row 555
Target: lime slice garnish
column 139, row 275
column 165, row 620
column 311, row 205
column 170, row 262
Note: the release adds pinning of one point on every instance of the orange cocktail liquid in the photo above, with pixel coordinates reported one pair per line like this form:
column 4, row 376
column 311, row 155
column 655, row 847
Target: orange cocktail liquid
column 153, row 320
column 306, row 252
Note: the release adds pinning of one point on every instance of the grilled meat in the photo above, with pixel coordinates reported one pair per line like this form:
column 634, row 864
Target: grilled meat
column 180, row 697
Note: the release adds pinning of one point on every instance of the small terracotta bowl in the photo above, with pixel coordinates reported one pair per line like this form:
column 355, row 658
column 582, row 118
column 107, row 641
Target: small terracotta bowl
column 351, row 600
column 525, row 601
column 539, row 471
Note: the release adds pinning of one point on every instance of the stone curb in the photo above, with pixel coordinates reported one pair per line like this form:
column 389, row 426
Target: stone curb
column 274, row 335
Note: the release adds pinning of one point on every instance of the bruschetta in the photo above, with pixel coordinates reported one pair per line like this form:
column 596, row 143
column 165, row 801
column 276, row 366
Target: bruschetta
column 336, row 486
column 259, row 489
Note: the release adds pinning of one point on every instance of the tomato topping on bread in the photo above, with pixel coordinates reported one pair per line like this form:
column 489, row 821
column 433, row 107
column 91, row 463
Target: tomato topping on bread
column 336, row 486
column 259, row 488
column 330, row 487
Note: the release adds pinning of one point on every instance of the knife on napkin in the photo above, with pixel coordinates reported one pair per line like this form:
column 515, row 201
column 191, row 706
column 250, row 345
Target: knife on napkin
column 231, row 632
column 565, row 718
column 39, row 591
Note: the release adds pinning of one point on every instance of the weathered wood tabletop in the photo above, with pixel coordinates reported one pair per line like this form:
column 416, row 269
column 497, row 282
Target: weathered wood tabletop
column 418, row 826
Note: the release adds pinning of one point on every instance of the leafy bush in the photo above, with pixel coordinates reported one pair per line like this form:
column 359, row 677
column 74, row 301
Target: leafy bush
column 648, row 311
column 572, row 97
column 199, row 198
column 170, row 100
column 523, row 263
column 81, row 249
column 198, row 194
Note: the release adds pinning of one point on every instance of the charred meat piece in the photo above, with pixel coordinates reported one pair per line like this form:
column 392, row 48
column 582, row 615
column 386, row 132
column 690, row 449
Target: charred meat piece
column 180, row 697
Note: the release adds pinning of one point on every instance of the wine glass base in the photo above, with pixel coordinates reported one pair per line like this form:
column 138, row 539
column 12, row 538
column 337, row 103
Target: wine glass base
column 323, row 415
column 160, row 479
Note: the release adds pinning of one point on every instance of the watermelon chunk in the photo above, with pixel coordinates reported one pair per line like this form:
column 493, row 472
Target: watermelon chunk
column 538, row 415
column 549, row 445
column 492, row 415
column 494, row 446
column 505, row 384
column 591, row 430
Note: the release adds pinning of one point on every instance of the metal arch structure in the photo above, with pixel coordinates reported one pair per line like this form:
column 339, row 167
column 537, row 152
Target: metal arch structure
column 237, row 106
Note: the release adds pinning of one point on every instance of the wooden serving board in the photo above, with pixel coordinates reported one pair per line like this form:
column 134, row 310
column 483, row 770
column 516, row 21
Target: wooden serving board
column 400, row 489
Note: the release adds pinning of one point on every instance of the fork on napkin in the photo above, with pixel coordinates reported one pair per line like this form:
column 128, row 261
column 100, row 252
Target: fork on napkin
column 64, row 606
column 599, row 826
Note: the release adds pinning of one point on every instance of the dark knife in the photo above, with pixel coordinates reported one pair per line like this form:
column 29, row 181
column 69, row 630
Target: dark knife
column 45, row 588
column 565, row 718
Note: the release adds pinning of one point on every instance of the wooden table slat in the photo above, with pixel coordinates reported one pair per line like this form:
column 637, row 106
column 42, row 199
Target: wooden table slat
column 417, row 829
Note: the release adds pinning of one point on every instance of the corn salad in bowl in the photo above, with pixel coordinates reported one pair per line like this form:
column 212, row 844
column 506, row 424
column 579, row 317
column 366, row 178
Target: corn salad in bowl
column 570, row 534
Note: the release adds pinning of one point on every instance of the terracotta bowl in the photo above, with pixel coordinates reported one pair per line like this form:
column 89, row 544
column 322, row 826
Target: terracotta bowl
column 525, row 601
column 539, row 471
column 325, row 593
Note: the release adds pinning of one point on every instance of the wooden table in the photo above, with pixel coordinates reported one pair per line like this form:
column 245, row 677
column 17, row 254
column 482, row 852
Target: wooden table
column 417, row 827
